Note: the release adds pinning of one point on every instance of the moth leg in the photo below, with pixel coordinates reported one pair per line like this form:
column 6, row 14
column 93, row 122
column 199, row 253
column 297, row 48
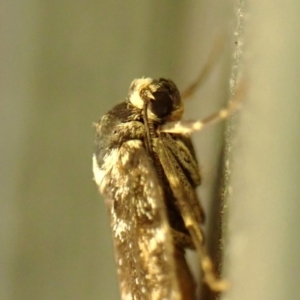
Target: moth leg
column 183, row 193
column 190, row 126
column 215, row 284
column 214, row 54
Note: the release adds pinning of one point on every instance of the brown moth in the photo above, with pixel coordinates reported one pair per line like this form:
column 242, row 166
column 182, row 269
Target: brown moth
column 145, row 166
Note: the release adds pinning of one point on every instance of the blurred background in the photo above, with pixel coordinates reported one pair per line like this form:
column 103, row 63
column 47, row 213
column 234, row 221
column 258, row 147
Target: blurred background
column 63, row 64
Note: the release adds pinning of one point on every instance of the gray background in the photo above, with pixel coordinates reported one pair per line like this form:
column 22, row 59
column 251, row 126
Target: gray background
column 65, row 63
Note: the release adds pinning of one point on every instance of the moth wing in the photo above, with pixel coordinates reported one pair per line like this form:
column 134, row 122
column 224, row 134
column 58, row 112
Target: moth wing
column 142, row 236
column 177, row 157
column 187, row 204
column 186, row 198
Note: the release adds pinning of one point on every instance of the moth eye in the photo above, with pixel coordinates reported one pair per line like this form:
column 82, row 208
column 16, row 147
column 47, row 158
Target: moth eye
column 162, row 106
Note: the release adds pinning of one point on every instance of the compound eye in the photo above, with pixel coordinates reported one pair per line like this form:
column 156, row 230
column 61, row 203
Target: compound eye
column 162, row 106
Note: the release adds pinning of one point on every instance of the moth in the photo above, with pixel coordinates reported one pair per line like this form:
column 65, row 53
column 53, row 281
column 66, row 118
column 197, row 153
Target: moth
column 145, row 166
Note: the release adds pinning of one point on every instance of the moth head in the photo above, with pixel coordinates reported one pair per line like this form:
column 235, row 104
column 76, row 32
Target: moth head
column 160, row 98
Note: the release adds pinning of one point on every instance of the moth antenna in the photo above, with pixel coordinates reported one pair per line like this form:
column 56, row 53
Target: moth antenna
column 213, row 57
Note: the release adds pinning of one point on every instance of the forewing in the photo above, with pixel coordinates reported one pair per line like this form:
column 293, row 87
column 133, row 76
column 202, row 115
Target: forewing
column 186, row 201
column 181, row 169
column 143, row 242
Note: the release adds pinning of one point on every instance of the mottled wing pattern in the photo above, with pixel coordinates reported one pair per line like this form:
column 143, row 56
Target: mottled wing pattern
column 191, row 212
column 180, row 165
column 142, row 236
